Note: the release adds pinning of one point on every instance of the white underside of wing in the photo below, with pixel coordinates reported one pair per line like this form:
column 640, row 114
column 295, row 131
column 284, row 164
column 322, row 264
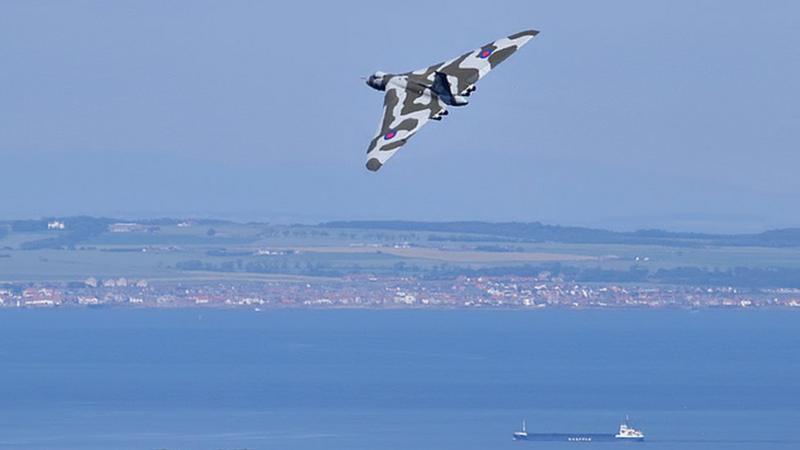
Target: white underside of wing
column 394, row 137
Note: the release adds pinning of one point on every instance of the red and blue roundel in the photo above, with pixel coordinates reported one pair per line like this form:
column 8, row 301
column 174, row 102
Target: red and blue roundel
column 485, row 53
column 389, row 135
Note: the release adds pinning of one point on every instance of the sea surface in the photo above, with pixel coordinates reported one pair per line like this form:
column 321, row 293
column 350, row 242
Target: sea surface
column 400, row 379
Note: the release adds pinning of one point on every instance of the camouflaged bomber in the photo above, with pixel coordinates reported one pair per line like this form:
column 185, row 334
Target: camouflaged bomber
column 414, row 98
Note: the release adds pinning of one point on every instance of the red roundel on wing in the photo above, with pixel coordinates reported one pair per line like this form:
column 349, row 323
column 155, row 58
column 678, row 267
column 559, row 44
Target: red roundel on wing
column 485, row 53
column 390, row 135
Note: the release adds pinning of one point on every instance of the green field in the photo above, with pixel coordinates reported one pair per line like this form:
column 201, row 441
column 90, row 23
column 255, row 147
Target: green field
column 225, row 250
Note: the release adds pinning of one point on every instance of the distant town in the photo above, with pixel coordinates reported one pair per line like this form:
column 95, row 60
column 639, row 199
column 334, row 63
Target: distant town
column 173, row 263
column 543, row 291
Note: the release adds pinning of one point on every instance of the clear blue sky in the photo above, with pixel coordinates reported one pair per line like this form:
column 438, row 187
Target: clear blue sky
column 621, row 114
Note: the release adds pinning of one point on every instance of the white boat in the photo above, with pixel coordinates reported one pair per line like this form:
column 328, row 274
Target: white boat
column 628, row 433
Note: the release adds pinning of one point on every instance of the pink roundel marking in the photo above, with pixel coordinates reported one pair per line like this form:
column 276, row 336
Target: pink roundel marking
column 390, row 135
column 485, row 53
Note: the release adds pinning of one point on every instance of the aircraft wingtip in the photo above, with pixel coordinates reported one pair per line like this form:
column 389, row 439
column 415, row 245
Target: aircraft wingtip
column 373, row 164
column 526, row 33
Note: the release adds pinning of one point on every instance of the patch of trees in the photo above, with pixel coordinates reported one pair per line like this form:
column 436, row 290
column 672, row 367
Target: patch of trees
column 538, row 232
column 739, row 276
column 742, row 277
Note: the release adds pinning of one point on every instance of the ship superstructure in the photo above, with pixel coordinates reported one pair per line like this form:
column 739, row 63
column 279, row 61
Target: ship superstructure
column 628, row 433
column 521, row 435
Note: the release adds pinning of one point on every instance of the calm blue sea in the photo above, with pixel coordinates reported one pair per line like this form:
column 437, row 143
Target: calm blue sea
column 461, row 380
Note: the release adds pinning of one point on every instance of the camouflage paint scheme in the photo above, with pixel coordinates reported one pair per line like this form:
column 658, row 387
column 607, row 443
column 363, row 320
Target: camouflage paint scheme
column 414, row 98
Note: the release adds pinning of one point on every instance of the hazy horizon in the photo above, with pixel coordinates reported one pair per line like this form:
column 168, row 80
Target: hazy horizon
column 621, row 115
column 737, row 224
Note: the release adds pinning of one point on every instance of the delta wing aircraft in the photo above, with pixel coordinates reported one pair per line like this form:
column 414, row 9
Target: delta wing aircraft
column 414, row 98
